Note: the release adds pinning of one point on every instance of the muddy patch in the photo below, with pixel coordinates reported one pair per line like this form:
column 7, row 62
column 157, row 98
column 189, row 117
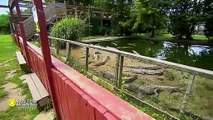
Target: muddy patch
column 13, row 93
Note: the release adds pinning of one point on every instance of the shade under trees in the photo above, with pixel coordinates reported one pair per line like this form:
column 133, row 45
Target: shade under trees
column 178, row 17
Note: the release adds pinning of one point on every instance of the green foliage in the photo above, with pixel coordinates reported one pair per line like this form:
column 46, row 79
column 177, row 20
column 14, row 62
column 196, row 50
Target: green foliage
column 147, row 16
column 100, row 4
column 77, row 2
column 51, row 1
column 69, row 28
column 4, row 24
column 120, row 12
column 184, row 16
column 207, row 10
column 74, row 63
column 179, row 17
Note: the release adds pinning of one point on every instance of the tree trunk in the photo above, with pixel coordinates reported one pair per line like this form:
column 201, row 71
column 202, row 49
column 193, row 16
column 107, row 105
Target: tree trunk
column 189, row 33
column 153, row 32
column 188, row 36
column 153, row 27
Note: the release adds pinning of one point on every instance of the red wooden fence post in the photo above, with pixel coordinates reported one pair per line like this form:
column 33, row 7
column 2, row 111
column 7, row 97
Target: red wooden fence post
column 46, row 51
column 15, row 27
column 21, row 26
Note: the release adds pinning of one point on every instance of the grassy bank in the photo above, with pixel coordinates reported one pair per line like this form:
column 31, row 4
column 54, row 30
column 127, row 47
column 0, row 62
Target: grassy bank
column 8, row 62
column 170, row 37
column 93, row 37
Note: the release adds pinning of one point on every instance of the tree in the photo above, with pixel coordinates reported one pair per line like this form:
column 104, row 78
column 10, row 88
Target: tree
column 184, row 16
column 148, row 15
column 120, row 11
column 73, row 2
column 208, row 18
column 4, row 24
column 100, row 4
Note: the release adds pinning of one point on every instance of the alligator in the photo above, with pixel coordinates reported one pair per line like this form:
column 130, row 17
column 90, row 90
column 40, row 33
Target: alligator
column 130, row 79
column 153, row 89
column 105, row 59
column 155, row 67
column 145, row 72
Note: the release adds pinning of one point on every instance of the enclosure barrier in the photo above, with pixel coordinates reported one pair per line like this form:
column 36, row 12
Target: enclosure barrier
column 181, row 67
column 119, row 67
column 74, row 96
column 78, row 97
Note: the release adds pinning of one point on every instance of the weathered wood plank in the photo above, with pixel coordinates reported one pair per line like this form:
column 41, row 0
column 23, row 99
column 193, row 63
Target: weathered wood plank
column 33, row 89
column 42, row 91
column 22, row 62
column 187, row 94
column 120, row 71
column 117, row 68
column 37, row 90
column 20, row 58
column 87, row 58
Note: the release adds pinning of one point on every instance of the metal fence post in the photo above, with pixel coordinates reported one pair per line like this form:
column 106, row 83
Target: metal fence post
column 120, row 70
column 87, row 58
column 187, row 94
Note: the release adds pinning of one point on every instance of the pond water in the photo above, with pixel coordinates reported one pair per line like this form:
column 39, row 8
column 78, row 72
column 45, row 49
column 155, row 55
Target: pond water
column 193, row 55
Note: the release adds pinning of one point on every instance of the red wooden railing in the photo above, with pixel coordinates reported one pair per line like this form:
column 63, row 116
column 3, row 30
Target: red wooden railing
column 74, row 96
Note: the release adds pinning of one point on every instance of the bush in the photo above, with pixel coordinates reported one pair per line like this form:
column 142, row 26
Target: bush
column 4, row 24
column 69, row 28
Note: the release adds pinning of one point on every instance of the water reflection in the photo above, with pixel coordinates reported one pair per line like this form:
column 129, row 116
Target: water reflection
column 192, row 55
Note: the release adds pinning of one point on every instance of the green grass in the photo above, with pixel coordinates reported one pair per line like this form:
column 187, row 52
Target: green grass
column 200, row 37
column 170, row 36
column 8, row 49
column 93, row 37
column 165, row 36
column 147, row 35
column 7, row 52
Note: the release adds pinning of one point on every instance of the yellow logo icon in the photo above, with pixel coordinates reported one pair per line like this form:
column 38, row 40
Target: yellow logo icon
column 12, row 102
column 37, row 27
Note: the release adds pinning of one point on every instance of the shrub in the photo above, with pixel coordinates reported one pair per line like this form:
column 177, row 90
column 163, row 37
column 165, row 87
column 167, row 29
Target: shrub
column 68, row 28
column 4, row 24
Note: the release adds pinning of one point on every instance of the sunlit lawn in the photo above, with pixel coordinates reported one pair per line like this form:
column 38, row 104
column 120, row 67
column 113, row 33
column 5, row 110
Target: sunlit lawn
column 7, row 52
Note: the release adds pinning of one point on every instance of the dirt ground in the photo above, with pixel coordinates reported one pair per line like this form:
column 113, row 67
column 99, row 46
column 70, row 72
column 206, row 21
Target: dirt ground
column 13, row 93
column 169, row 77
